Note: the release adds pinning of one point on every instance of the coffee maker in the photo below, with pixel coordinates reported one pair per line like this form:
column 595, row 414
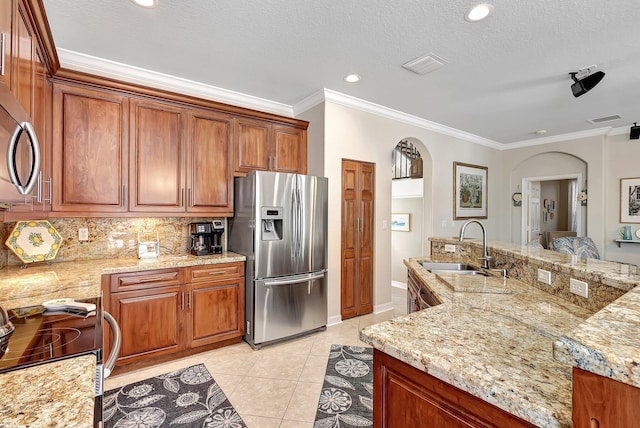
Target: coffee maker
column 206, row 238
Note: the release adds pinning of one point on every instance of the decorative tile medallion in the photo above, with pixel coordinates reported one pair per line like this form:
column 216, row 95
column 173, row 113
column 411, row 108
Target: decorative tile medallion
column 34, row 241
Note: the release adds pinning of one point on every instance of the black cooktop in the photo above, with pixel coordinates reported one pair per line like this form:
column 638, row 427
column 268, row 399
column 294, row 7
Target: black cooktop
column 42, row 336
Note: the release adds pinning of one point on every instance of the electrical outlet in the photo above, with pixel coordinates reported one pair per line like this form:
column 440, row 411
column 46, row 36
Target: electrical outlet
column 449, row 248
column 544, row 276
column 83, row 234
column 580, row 288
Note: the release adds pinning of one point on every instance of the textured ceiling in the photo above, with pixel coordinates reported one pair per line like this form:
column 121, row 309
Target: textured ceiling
column 505, row 77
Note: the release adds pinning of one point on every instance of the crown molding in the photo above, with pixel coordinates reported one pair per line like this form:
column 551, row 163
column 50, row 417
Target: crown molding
column 598, row 132
column 328, row 95
column 140, row 76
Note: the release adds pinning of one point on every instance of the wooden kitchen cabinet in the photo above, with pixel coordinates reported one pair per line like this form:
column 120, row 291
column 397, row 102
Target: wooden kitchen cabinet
column 404, row 396
column 180, row 159
column 209, row 173
column 157, row 168
column 600, row 402
column 264, row 146
column 90, row 149
column 6, row 33
column 215, row 304
column 177, row 310
column 23, row 57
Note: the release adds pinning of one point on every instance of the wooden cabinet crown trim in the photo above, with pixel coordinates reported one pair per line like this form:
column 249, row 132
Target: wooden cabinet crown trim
column 71, row 76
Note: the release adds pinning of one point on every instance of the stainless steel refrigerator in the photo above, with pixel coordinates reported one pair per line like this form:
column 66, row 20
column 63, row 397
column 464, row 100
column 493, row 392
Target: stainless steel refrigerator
column 280, row 225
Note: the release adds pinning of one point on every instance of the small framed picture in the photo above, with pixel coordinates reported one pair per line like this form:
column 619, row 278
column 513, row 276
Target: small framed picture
column 401, row 222
column 630, row 200
column 470, row 191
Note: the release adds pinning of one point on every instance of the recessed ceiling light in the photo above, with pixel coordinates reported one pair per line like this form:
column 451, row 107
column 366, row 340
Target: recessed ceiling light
column 478, row 12
column 352, row 78
column 541, row 131
column 146, row 3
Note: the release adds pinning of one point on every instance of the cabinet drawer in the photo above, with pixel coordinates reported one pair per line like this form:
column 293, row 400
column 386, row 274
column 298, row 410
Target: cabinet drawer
column 215, row 272
column 144, row 280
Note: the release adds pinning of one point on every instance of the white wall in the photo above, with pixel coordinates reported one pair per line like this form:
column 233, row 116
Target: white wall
column 315, row 139
column 621, row 160
column 354, row 134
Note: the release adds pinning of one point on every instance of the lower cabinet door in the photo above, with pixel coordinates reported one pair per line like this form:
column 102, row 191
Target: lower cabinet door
column 215, row 312
column 404, row 396
column 151, row 322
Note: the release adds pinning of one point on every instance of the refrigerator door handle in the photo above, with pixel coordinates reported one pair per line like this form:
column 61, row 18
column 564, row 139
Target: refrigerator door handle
column 295, row 279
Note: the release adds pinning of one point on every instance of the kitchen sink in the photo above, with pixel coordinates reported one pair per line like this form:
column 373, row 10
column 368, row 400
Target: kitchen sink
column 446, row 266
column 451, row 268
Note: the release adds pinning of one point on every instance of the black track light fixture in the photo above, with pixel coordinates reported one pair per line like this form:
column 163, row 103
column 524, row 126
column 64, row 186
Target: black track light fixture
column 634, row 132
column 584, row 81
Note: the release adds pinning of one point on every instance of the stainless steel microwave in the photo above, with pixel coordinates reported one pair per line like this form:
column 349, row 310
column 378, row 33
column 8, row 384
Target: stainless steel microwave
column 20, row 169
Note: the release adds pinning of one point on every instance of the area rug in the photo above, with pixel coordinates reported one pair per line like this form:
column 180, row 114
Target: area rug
column 347, row 392
column 188, row 397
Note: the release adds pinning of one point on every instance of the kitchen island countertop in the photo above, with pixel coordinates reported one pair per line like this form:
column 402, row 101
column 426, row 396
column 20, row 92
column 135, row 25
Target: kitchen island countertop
column 497, row 346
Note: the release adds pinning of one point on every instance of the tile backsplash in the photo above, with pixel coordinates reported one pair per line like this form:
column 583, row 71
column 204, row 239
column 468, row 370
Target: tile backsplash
column 110, row 237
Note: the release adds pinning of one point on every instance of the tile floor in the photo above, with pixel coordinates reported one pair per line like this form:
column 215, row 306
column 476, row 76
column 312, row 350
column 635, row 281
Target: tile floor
column 279, row 385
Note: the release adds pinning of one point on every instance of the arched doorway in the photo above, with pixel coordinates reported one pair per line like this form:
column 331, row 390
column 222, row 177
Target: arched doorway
column 411, row 209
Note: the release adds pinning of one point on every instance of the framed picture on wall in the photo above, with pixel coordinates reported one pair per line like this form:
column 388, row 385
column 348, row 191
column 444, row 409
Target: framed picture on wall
column 630, row 200
column 469, row 191
column 401, row 222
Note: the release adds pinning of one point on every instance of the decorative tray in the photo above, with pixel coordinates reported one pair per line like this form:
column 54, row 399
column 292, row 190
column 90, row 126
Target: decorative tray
column 34, row 241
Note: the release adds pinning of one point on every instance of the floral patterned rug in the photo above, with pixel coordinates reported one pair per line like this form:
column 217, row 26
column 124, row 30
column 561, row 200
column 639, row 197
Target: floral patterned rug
column 346, row 399
column 188, row 397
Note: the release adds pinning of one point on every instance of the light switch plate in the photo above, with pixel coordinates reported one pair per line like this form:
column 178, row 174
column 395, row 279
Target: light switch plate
column 449, row 248
column 83, row 234
column 580, row 288
column 544, row 276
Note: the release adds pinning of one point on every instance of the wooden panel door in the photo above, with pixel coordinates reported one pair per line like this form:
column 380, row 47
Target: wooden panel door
column 158, row 145
column 404, row 396
column 288, row 150
column 23, row 57
column 90, row 129
column 215, row 312
column 357, row 238
column 210, row 180
column 600, row 402
column 6, row 19
column 251, row 146
column 151, row 322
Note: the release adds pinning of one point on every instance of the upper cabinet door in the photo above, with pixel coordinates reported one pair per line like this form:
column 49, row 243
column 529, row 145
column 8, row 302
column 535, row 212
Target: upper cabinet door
column 24, row 58
column 6, row 18
column 157, row 162
column 90, row 129
column 210, row 181
column 288, row 150
column 251, row 148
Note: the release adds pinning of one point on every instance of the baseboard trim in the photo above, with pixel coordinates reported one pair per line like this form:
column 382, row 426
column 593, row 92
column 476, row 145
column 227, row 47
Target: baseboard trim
column 334, row 320
column 385, row 307
column 399, row 284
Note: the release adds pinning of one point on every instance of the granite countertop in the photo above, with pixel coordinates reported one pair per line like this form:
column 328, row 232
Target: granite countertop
column 38, row 396
column 40, row 282
column 65, row 388
column 493, row 338
column 608, row 343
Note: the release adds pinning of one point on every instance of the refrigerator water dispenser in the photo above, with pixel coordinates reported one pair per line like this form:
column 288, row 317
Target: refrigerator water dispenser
column 271, row 223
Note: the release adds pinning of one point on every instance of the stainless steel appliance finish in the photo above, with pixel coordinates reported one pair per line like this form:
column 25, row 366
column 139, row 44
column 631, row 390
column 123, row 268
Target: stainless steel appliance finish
column 20, row 171
column 280, row 225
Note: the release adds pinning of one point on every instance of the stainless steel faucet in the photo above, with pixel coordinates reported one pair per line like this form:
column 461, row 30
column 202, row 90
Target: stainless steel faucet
column 485, row 256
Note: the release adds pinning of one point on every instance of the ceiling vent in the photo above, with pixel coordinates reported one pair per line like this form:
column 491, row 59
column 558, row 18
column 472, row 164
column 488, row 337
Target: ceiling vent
column 599, row 120
column 425, row 64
